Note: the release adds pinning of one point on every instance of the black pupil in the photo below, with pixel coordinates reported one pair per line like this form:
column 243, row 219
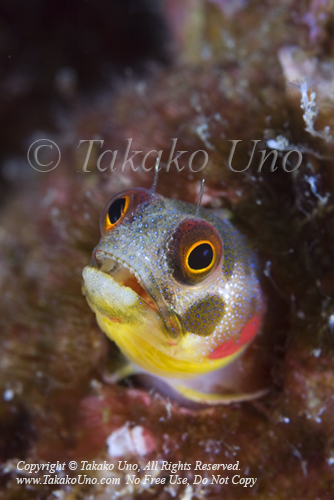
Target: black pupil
column 115, row 210
column 201, row 257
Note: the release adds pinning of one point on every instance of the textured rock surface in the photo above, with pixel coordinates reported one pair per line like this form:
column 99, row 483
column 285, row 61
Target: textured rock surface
column 57, row 403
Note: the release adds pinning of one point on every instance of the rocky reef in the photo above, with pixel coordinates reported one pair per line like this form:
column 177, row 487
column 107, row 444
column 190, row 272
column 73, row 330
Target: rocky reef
column 247, row 71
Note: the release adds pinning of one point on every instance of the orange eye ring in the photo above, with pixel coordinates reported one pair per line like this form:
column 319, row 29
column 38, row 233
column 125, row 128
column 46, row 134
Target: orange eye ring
column 195, row 251
column 208, row 246
column 123, row 205
column 115, row 212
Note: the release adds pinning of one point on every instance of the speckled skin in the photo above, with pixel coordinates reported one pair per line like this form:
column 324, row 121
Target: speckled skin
column 196, row 328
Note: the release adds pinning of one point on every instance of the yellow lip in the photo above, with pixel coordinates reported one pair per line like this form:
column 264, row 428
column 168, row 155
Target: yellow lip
column 122, row 314
column 110, row 298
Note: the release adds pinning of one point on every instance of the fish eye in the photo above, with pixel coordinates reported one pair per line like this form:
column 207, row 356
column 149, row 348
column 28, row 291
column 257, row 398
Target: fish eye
column 201, row 256
column 195, row 251
column 123, row 204
column 114, row 212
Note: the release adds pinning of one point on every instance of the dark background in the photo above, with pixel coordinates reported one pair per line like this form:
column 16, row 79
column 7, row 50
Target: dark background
column 54, row 50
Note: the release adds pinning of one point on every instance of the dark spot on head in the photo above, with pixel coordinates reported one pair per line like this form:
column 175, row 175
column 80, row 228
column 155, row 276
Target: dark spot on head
column 203, row 316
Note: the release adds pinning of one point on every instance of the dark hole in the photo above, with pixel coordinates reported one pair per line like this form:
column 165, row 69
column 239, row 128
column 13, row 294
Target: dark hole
column 201, row 257
column 115, row 210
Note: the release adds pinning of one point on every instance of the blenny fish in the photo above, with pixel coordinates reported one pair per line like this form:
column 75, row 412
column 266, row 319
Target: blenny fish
column 177, row 288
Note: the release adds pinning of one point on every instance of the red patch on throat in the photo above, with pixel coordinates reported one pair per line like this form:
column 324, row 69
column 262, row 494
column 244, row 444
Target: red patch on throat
column 230, row 347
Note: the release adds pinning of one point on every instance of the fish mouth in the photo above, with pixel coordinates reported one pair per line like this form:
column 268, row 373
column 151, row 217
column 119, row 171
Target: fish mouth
column 121, row 284
column 123, row 275
column 124, row 309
